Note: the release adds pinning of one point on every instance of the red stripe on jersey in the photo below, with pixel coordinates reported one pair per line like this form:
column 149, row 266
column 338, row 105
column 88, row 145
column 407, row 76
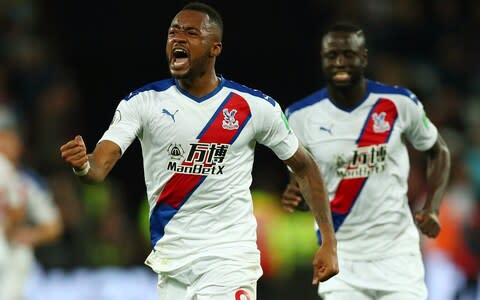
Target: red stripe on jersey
column 216, row 133
column 369, row 136
column 177, row 188
column 349, row 188
column 180, row 186
column 347, row 192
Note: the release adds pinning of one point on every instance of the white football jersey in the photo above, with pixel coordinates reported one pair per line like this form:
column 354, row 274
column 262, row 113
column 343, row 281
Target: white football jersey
column 364, row 160
column 9, row 198
column 9, row 187
column 198, row 156
column 40, row 209
column 39, row 202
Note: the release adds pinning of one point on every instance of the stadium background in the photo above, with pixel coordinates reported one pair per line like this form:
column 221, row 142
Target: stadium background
column 64, row 65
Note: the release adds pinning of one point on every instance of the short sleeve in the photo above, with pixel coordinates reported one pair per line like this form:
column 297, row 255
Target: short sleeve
column 274, row 131
column 296, row 125
column 125, row 125
column 420, row 131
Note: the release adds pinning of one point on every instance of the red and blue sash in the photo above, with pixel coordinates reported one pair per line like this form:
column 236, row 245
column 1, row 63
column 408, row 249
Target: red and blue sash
column 349, row 189
column 181, row 186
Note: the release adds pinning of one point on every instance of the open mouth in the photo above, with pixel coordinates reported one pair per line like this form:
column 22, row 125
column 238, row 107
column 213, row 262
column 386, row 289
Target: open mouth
column 179, row 58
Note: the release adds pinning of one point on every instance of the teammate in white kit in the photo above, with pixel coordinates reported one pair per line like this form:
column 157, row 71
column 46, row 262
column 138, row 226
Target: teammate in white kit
column 11, row 213
column 357, row 130
column 11, row 208
column 198, row 132
column 38, row 220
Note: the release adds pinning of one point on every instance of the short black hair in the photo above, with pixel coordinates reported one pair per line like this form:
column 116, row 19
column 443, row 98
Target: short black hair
column 345, row 26
column 211, row 12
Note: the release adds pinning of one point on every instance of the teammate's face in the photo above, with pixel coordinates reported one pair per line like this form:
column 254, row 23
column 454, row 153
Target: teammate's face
column 344, row 58
column 193, row 43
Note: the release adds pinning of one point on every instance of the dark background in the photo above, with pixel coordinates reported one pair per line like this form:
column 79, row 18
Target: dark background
column 114, row 47
column 65, row 65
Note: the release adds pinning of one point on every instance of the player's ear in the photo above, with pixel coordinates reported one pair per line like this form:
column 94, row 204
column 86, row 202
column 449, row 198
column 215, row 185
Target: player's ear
column 216, row 49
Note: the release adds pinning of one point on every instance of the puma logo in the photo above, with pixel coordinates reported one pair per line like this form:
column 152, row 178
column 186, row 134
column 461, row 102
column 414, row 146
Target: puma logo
column 165, row 111
column 329, row 130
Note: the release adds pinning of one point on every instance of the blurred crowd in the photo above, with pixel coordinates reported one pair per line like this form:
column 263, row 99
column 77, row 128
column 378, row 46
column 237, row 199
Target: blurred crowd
column 430, row 47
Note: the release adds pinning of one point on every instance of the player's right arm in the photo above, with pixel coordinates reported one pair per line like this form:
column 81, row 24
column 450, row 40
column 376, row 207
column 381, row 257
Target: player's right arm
column 307, row 174
column 97, row 164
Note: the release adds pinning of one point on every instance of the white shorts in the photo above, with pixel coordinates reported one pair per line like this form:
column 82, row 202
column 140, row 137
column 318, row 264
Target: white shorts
column 210, row 279
column 396, row 278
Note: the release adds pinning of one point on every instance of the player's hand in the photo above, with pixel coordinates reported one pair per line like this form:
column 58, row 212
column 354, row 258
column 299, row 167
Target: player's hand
column 74, row 152
column 291, row 197
column 428, row 222
column 325, row 264
column 24, row 236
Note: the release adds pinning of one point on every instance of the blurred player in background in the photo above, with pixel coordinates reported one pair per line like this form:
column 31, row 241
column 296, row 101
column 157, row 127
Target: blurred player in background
column 198, row 133
column 356, row 130
column 11, row 210
column 38, row 221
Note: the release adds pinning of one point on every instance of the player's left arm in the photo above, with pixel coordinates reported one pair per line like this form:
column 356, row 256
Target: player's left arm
column 15, row 215
column 12, row 208
column 307, row 174
column 38, row 234
column 438, row 171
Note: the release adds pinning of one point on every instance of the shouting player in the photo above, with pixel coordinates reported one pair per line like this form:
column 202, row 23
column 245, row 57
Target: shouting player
column 197, row 132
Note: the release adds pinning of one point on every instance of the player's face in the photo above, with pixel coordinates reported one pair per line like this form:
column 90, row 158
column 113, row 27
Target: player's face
column 192, row 44
column 344, row 58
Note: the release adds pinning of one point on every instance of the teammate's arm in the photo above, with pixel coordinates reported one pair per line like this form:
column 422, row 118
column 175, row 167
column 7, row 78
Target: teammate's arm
column 306, row 173
column 36, row 235
column 97, row 164
column 15, row 215
column 438, row 171
column 291, row 196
